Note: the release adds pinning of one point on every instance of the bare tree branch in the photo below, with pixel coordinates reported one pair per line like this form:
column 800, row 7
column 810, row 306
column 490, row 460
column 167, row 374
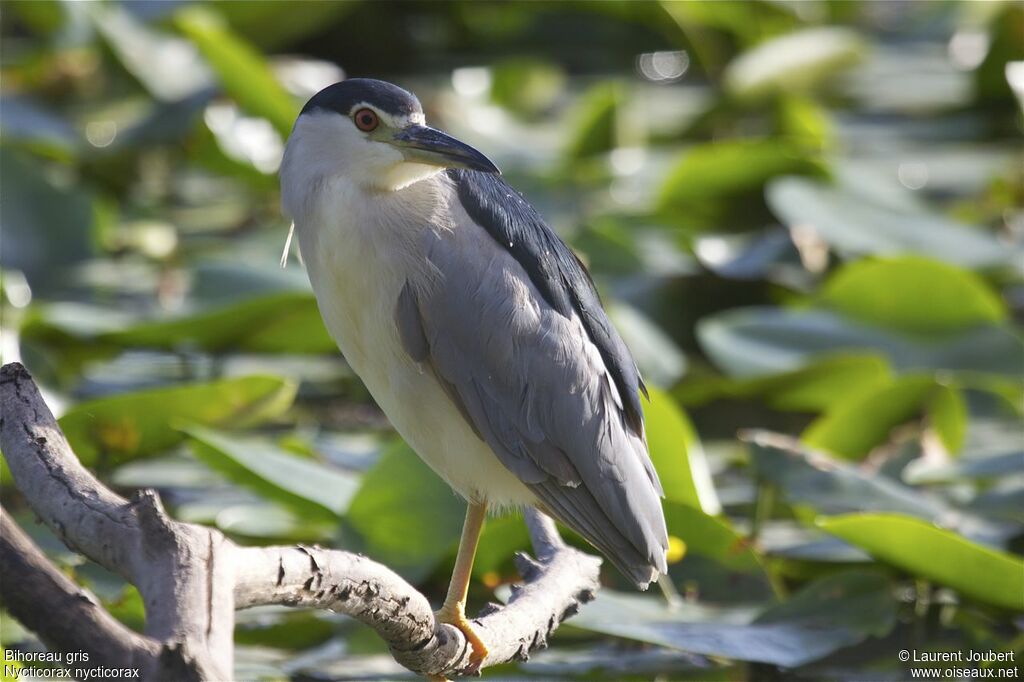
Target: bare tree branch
column 34, row 591
column 192, row 578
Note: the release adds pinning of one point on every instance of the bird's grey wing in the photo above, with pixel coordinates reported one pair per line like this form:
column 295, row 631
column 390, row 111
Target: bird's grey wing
column 555, row 406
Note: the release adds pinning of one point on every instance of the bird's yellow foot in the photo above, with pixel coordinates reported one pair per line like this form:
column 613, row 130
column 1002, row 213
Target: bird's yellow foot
column 456, row 615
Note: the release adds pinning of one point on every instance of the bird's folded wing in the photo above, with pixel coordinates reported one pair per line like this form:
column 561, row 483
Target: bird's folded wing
column 535, row 386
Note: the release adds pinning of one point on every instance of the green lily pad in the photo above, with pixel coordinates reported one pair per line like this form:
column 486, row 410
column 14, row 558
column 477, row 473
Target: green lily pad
column 852, row 427
column 277, row 322
column 912, row 294
column 748, row 342
column 856, row 224
column 678, row 456
column 927, row 551
column 129, row 425
column 305, row 486
column 720, row 562
column 813, row 388
column 832, row 613
column 812, row 482
column 241, row 70
column 794, row 62
column 594, row 130
column 708, row 175
column 406, row 516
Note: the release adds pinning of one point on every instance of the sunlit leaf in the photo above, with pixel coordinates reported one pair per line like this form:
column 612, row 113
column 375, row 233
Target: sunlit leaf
column 128, row 425
column 857, row 225
column 282, row 322
column 912, row 294
column 526, row 86
column 714, row 172
column 502, row 537
column 852, row 427
column 406, row 515
column 812, row 388
column 927, row 551
column 241, row 70
column 677, row 455
column 306, row 486
column 719, row 563
column 756, row 341
column 169, row 67
column 947, row 412
column 794, row 62
column 278, row 322
column 595, row 122
column 812, row 481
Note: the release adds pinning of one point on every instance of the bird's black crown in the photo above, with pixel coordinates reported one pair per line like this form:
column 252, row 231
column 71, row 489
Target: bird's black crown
column 387, row 97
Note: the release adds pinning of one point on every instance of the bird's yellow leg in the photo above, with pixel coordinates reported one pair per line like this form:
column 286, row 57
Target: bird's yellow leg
column 453, row 611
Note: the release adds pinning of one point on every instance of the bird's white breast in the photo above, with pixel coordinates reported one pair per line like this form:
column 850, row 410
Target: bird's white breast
column 360, row 248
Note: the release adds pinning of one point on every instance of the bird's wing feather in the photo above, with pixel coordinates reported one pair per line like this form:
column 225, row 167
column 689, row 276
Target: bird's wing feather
column 513, row 330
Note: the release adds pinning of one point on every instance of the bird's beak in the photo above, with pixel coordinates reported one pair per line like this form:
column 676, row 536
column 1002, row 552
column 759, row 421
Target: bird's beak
column 421, row 144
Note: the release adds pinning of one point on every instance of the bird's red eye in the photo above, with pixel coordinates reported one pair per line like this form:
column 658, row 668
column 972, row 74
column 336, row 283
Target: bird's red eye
column 366, row 120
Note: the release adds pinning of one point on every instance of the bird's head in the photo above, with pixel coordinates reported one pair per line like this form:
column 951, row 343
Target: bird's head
column 375, row 134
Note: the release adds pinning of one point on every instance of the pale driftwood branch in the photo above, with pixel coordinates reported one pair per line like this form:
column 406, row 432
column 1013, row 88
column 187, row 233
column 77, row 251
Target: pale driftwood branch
column 192, row 578
column 37, row 591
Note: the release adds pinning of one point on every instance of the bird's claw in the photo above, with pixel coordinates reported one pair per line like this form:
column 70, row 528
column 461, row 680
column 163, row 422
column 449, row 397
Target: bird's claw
column 456, row 616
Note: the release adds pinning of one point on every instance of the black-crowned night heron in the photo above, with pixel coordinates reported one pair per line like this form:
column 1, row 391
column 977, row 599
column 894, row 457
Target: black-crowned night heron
column 475, row 328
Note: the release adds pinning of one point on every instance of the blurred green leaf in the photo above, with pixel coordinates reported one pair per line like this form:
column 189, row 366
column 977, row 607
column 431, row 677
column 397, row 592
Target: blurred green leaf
column 721, row 563
column 929, row 552
column 408, row 518
column 42, row 16
column 677, row 455
column 241, row 70
column 118, row 428
column 749, row 21
column 802, row 120
column 273, row 24
column 991, row 86
column 280, row 322
column 594, row 127
column 169, row 67
column 947, row 413
column 812, row 388
column 812, row 482
column 795, row 62
column 525, row 85
column 307, row 487
column 284, row 629
column 26, row 122
column 660, row 360
column 863, row 421
column 502, row 537
column 266, row 522
column 709, row 173
column 128, row 608
column 45, row 224
column 835, row 612
column 756, row 341
column 913, row 294
column 858, row 225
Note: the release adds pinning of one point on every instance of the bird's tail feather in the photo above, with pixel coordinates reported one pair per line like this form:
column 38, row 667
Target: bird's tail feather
column 640, row 557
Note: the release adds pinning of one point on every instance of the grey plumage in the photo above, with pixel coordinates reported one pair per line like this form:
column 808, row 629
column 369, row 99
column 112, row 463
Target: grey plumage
column 512, row 328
